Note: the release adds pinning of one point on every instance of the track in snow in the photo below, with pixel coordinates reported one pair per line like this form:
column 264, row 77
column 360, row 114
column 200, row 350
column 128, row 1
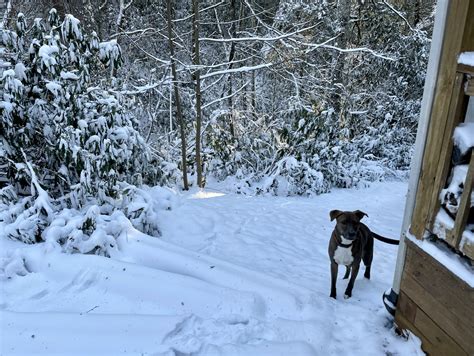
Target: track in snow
column 232, row 275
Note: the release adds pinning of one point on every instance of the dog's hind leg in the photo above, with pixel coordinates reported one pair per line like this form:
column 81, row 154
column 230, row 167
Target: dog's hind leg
column 367, row 258
column 333, row 279
column 368, row 265
column 348, row 272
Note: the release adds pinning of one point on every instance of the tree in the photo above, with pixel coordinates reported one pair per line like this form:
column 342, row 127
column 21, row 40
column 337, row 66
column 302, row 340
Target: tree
column 197, row 86
column 177, row 99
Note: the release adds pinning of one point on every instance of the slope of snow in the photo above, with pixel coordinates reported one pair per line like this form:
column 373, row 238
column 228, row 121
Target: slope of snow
column 231, row 275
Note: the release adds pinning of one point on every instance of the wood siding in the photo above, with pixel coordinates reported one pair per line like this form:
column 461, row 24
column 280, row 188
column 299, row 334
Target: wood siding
column 436, row 305
column 439, row 130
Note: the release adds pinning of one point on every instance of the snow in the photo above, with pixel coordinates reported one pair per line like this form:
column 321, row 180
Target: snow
column 54, row 88
column 8, row 73
column 69, row 75
column 230, row 275
column 20, row 70
column 464, row 136
column 442, row 222
column 466, row 58
column 206, row 195
column 451, row 195
column 48, row 54
column 70, row 28
column 236, row 70
column 109, row 51
column 46, row 51
column 467, row 239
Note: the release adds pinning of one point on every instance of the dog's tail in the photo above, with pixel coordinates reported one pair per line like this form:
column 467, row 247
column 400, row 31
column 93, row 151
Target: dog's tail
column 384, row 239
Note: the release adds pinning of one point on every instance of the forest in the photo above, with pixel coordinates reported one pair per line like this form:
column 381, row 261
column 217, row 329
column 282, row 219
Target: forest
column 279, row 97
column 167, row 168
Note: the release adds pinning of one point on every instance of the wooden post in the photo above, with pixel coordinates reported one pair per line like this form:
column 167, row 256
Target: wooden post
column 456, row 111
column 452, row 40
column 468, row 37
column 420, row 143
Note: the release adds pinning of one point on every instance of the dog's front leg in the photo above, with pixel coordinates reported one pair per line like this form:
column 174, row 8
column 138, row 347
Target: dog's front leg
column 333, row 279
column 348, row 272
column 355, row 270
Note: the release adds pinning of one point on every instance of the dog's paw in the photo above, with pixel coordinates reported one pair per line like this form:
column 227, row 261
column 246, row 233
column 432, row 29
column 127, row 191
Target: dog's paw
column 346, row 296
column 332, row 295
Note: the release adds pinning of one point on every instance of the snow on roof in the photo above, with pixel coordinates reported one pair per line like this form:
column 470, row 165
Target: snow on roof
column 466, row 58
column 464, row 136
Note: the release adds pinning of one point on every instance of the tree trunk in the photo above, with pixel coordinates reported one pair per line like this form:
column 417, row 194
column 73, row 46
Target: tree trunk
column 197, row 78
column 253, row 89
column 179, row 113
column 234, row 28
column 339, row 80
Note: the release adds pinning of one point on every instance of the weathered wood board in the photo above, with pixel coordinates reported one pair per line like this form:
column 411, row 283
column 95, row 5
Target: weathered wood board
column 436, row 305
column 452, row 44
column 457, row 108
column 469, row 88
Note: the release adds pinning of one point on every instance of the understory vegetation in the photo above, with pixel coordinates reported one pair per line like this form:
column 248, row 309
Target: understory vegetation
column 99, row 102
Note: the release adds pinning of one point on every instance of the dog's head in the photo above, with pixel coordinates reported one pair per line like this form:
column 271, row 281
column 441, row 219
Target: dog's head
column 347, row 222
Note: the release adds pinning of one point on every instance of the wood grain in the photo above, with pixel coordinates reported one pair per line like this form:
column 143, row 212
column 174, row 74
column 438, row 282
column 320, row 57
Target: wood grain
column 437, row 304
column 452, row 40
column 457, row 108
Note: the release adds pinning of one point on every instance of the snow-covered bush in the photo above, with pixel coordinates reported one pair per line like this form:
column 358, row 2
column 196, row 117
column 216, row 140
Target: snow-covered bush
column 88, row 231
column 292, row 177
column 77, row 136
column 67, row 140
column 309, row 155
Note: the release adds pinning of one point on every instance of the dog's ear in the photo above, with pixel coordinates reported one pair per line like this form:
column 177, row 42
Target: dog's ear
column 360, row 214
column 333, row 214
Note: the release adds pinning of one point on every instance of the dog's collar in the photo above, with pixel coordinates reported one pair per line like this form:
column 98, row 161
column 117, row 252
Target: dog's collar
column 345, row 245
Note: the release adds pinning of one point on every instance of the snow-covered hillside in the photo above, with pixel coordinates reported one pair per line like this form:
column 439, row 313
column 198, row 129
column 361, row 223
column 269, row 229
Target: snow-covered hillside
column 231, row 275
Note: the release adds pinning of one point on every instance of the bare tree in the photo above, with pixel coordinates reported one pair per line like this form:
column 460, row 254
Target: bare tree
column 339, row 80
column 177, row 99
column 197, row 78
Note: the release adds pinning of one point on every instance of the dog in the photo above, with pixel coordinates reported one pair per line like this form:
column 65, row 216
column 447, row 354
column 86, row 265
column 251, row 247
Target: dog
column 351, row 242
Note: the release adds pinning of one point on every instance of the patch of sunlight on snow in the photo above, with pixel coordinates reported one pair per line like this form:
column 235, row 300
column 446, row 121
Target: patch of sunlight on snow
column 206, row 195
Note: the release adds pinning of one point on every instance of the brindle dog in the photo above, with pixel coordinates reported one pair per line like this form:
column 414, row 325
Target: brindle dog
column 351, row 241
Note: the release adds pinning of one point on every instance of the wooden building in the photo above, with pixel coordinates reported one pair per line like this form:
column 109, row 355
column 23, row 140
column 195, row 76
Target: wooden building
column 433, row 288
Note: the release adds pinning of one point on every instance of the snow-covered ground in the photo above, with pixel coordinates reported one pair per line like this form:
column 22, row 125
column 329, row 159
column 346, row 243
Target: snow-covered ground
column 231, row 275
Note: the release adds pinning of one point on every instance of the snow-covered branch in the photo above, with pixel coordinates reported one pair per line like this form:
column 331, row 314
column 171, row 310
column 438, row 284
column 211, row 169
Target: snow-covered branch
column 122, row 8
column 359, row 49
column 237, row 70
column 200, row 11
column 226, row 97
column 398, row 13
column 256, row 38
